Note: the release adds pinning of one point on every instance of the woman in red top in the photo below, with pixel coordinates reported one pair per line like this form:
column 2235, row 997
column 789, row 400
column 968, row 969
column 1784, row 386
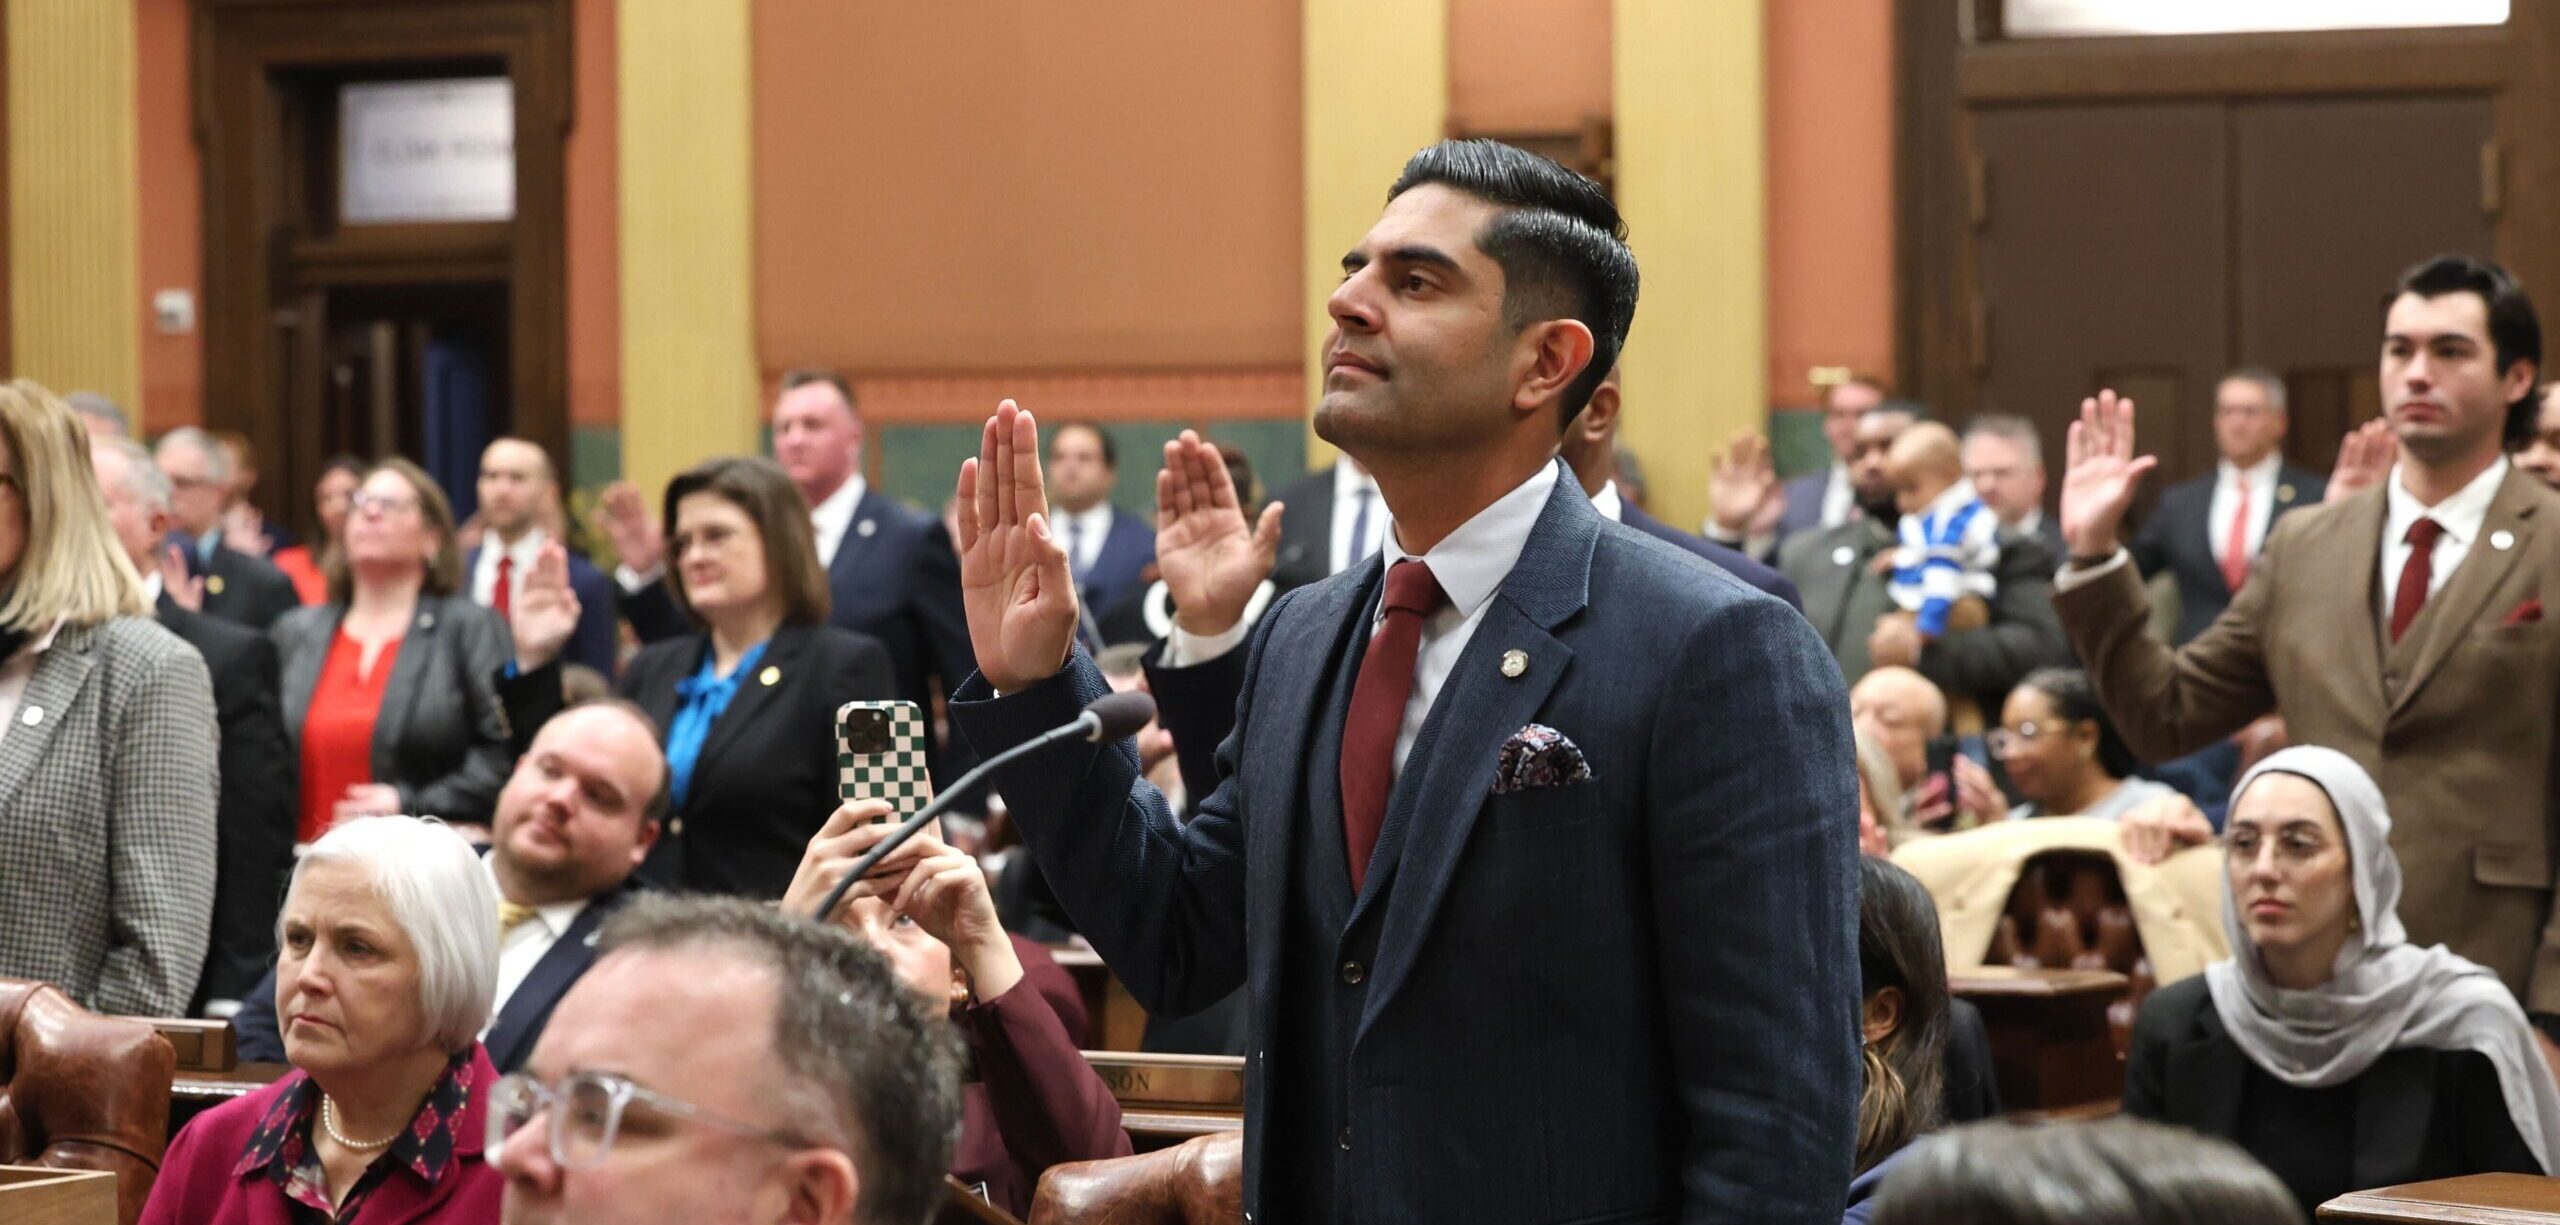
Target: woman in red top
column 390, row 687
column 303, row 563
column 388, row 969
column 1033, row 1101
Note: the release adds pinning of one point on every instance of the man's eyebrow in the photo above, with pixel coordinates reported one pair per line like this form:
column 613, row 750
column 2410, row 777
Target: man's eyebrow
column 1411, row 254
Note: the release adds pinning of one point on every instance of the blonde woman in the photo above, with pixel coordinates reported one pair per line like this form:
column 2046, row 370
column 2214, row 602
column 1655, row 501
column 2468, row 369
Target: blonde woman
column 107, row 741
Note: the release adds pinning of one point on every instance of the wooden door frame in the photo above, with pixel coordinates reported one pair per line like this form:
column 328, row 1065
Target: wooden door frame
column 239, row 131
column 1942, row 82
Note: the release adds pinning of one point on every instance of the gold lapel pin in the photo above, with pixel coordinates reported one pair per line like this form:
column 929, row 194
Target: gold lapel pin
column 213, row 585
column 2502, row 540
column 1514, row 662
column 770, row 676
column 2284, row 493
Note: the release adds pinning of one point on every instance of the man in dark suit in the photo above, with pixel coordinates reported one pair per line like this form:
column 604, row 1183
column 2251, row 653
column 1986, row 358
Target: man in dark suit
column 1590, row 449
column 1108, row 551
column 254, row 815
column 1747, row 491
column 581, row 811
column 1331, row 518
column 2207, row 532
column 1845, row 596
column 517, row 481
column 2004, row 459
column 1551, row 707
column 238, row 587
column 891, row 572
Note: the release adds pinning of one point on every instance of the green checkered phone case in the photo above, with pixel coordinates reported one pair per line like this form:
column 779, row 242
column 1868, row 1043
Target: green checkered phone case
column 880, row 755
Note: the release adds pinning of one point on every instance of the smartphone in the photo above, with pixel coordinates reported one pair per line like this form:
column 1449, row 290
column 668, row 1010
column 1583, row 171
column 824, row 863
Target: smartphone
column 1940, row 755
column 880, row 756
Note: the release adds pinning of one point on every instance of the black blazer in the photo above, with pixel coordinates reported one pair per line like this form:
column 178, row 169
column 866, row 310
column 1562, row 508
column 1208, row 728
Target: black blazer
column 1306, row 530
column 1740, row 565
column 441, row 736
column 767, row 775
column 2178, row 539
column 256, row 811
column 1693, row 1079
column 2419, row 1114
column 243, row 589
column 521, row 1015
column 1120, row 565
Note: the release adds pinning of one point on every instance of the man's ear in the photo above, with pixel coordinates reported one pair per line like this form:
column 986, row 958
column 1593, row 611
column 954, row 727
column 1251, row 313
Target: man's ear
column 819, row 1186
column 1599, row 417
column 1555, row 352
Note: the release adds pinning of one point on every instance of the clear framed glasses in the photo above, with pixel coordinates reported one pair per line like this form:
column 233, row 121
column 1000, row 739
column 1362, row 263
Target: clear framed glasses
column 586, row 1114
column 382, row 503
column 2004, row 741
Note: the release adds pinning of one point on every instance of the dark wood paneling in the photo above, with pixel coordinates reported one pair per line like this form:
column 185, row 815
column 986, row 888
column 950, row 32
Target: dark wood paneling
column 2231, row 65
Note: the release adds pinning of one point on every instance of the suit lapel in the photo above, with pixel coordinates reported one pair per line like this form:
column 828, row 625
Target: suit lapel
column 561, row 964
column 1306, row 648
column 1449, row 774
column 2347, row 549
column 2448, row 616
column 1826, row 584
column 56, row 681
column 857, row 540
column 781, row 661
column 408, row 678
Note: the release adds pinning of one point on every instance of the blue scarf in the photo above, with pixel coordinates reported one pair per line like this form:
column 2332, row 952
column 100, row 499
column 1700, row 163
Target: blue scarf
column 700, row 699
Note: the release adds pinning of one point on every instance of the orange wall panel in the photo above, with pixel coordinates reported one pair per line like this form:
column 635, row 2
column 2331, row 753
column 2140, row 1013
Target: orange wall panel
column 170, row 219
column 1528, row 65
column 1830, row 211
column 1015, row 184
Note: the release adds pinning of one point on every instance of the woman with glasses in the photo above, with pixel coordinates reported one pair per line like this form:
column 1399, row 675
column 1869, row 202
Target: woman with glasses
column 106, row 741
column 2328, row 1046
column 2062, row 755
column 390, row 687
column 386, row 969
column 1032, row 1101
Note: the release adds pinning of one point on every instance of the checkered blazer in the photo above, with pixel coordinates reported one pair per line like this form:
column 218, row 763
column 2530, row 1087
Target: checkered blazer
column 108, row 780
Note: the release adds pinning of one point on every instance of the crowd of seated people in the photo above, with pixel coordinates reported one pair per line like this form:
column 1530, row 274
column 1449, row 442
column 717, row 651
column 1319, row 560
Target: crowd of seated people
column 347, row 789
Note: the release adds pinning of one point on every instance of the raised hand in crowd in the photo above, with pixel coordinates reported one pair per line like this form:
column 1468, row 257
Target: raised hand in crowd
column 2102, row 473
column 244, row 529
column 2365, row 457
column 544, row 614
column 185, row 589
column 1210, row 559
column 926, row 880
column 1743, row 494
column 623, row 512
column 2158, row 828
column 1014, row 584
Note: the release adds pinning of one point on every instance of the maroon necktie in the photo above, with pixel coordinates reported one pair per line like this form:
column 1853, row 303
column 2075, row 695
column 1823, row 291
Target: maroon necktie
column 2415, row 576
column 502, row 596
column 1377, row 709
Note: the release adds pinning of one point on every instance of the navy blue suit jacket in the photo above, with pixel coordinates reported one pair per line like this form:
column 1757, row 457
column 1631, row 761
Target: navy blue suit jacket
column 520, row 1019
column 1127, row 551
column 593, row 642
column 2178, row 539
column 1734, row 561
column 1632, row 998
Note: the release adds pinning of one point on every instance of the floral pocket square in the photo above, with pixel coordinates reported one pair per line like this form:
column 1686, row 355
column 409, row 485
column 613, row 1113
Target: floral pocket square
column 2526, row 613
column 1538, row 756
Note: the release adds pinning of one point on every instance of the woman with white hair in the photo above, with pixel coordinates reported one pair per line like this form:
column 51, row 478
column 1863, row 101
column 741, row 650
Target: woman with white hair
column 387, row 969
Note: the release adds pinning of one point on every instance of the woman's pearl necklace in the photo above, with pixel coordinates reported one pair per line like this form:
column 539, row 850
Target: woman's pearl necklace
column 328, row 1123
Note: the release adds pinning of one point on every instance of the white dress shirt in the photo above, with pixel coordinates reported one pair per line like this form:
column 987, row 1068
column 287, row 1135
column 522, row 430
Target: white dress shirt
column 2226, row 493
column 523, row 946
column 1470, row 564
column 151, row 588
column 484, row 572
column 2460, row 515
column 1087, row 528
column 1611, row 504
column 1839, row 497
column 1348, row 482
column 830, row 518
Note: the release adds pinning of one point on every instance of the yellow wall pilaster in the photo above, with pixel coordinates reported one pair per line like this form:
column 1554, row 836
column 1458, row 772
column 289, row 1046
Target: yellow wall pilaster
column 1691, row 180
column 74, row 285
column 686, row 146
column 1376, row 88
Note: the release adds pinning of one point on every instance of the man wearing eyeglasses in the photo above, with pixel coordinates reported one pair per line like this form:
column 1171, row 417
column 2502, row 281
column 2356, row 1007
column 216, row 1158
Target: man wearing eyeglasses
column 726, row 1064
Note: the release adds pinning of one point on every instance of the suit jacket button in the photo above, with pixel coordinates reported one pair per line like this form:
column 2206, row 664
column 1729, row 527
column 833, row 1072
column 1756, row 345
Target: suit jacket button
column 1353, row 973
column 1342, row 1138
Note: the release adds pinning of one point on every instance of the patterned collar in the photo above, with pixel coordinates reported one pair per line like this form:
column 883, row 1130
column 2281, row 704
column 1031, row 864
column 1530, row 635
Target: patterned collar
column 282, row 1147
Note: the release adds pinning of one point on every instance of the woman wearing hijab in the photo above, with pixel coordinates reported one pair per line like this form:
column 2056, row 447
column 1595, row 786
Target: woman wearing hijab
column 2328, row 1046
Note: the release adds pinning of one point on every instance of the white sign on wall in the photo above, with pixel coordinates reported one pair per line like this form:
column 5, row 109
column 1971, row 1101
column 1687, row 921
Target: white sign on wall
column 427, row 151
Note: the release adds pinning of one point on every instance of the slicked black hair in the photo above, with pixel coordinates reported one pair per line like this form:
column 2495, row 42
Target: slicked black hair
column 1559, row 240
column 2515, row 332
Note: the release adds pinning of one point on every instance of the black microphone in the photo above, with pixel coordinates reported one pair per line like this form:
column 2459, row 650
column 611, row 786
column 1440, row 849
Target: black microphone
column 1111, row 717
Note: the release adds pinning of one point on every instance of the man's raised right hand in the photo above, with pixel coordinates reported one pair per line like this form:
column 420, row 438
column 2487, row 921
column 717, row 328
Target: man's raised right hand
column 2098, row 484
column 1013, row 574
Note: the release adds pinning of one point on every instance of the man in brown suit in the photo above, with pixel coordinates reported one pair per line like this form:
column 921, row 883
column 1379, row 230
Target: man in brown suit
column 2402, row 625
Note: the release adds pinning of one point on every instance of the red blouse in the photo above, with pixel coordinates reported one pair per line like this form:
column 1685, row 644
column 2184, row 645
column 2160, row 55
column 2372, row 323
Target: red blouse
column 337, row 733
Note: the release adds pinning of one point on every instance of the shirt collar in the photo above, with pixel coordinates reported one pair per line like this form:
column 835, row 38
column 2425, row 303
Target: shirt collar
column 151, row 587
column 555, row 917
column 2259, row 473
column 281, row 1144
column 837, row 510
column 523, row 551
column 2460, row 515
column 1094, row 519
column 1471, row 562
column 1611, row 505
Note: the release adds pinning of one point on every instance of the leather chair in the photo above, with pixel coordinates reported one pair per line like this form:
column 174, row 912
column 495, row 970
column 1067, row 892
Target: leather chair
column 80, row 1091
column 2068, row 912
column 1197, row 1182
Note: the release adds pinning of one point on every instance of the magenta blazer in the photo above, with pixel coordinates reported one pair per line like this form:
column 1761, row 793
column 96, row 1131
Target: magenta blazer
column 196, row 1185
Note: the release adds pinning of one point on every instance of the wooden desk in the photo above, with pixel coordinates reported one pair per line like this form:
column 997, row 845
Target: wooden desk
column 1167, row 1099
column 201, row 1046
column 35, row 1195
column 194, row 1092
column 2050, row 1046
column 2481, row 1199
column 1119, row 1024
